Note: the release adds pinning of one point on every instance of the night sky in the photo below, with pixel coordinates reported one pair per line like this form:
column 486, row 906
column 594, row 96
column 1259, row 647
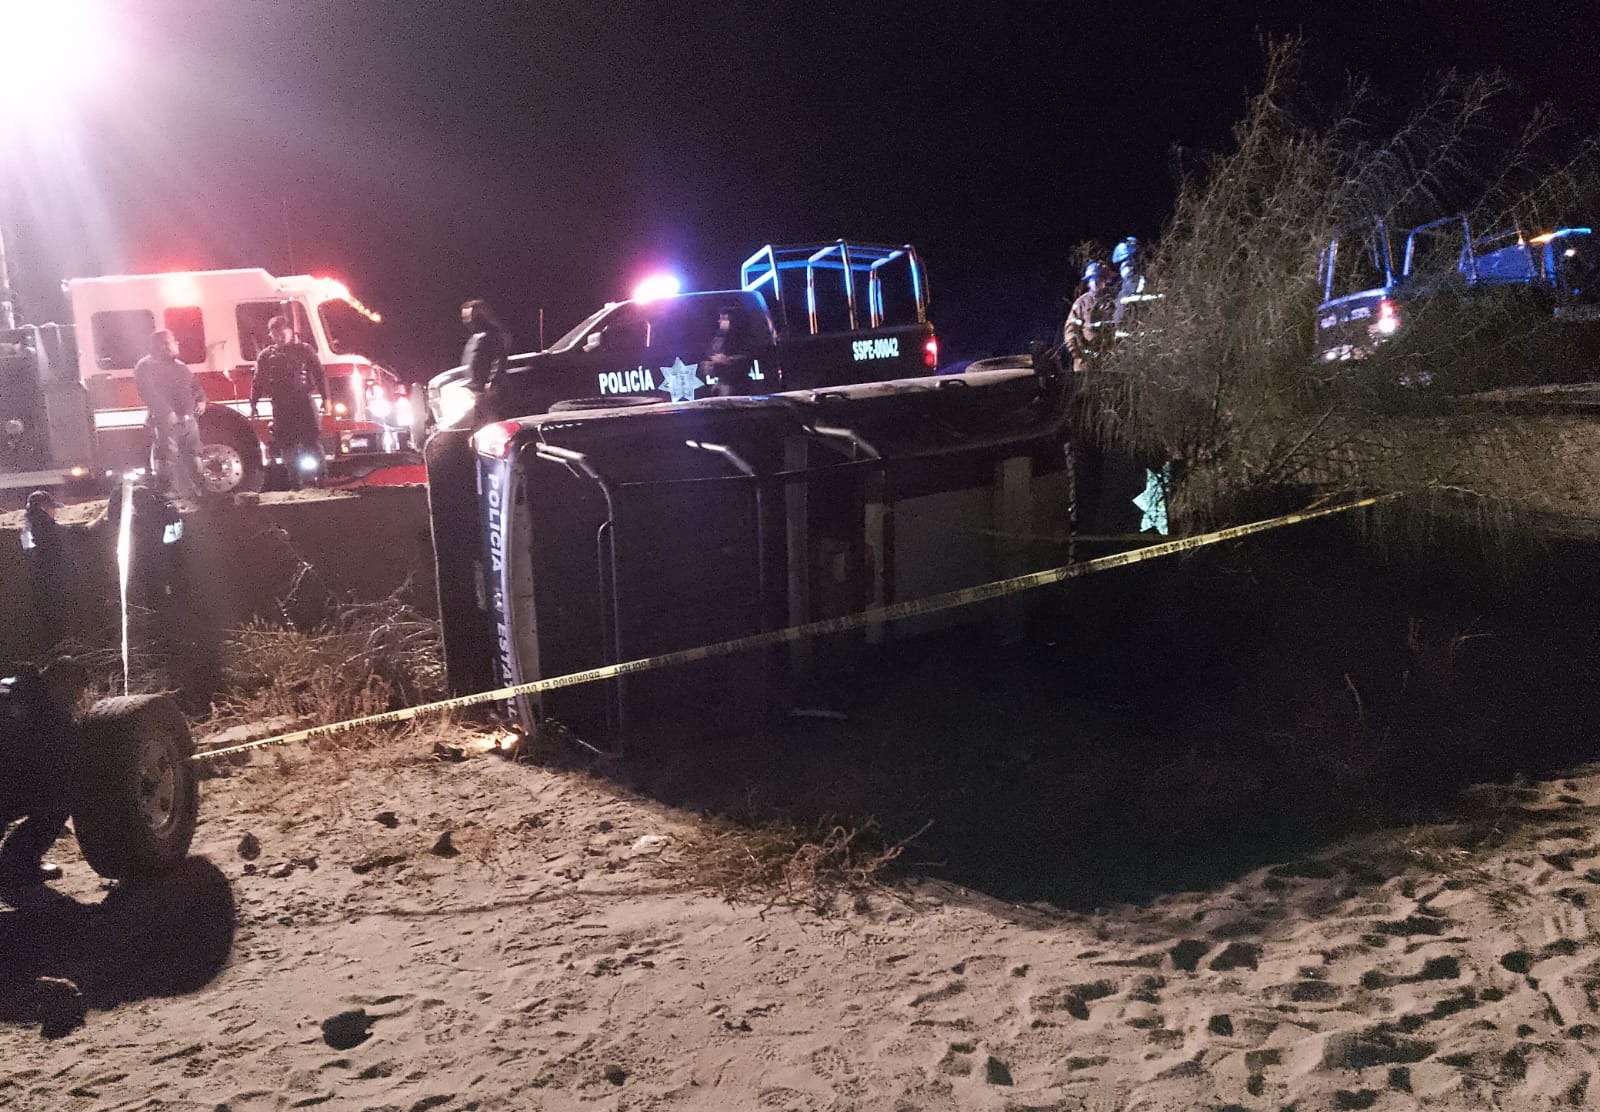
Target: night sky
column 549, row 154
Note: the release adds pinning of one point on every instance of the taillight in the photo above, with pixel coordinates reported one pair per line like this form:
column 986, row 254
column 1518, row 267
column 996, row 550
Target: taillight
column 1388, row 317
column 494, row 440
column 930, row 352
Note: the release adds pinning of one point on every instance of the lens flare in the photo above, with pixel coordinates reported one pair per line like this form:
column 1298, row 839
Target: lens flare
column 657, row 286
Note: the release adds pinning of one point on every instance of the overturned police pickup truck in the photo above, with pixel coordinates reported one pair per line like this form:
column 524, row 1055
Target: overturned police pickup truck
column 805, row 316
column 568, row 541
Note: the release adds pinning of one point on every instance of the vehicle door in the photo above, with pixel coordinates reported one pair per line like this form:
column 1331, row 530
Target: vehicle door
column 612, row 358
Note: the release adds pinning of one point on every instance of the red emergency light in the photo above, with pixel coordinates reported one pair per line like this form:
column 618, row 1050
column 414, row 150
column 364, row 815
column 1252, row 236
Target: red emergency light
column 494, row 440
column 930, row 352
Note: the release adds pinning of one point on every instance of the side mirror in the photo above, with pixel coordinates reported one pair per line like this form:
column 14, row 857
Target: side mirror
column 591, row 341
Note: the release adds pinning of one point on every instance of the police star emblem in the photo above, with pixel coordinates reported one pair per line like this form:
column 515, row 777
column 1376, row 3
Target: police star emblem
column 1152, row 501
column 681, row 380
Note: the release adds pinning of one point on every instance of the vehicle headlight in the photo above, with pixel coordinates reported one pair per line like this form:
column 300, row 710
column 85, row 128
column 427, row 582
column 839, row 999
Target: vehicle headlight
column 403, row 414
column 456, row 400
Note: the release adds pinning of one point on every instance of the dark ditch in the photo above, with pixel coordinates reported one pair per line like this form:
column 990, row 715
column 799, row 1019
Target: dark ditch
column 1170, row 726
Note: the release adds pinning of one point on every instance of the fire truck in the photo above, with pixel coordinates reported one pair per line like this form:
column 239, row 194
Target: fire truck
column 69, row 409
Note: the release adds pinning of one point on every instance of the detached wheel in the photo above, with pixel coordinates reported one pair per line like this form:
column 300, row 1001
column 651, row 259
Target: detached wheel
column 230, row 457
column 137, row 795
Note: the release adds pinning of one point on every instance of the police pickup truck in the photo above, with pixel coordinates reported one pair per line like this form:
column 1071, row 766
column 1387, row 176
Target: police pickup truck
column 806, row 316
column 1498, row 288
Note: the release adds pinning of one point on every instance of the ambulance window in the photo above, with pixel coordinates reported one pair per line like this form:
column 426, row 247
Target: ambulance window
column 189, row 329
column 121, row 337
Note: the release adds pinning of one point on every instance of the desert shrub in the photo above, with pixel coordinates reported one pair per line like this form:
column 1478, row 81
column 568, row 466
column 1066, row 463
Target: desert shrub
column 1220, row 373
column 365, row 658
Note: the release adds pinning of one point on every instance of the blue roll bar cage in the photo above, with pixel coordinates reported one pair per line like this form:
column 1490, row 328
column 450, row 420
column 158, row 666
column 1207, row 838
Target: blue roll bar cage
column 769, row 263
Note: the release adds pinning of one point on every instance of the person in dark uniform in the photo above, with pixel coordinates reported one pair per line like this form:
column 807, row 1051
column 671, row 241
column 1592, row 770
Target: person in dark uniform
column 35, row 739
column 57, row 555
column 726, row 365
column 488, row 344
column 174, row 400
column 289, row 373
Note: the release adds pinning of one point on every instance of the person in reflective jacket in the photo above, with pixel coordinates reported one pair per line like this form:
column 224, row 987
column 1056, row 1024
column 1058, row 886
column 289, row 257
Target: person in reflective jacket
column 1088, row 332
column 1134, row 293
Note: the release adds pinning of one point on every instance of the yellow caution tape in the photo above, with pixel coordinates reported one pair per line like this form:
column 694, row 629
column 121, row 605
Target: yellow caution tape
column 914, row 608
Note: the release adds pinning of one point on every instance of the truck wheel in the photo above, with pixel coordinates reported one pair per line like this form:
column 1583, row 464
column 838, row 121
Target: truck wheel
column 230, row 457
column 622, row 401
column 136, row 796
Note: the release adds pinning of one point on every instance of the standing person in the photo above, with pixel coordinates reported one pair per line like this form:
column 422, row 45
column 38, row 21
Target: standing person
column 289, row 373
column 725, row 366
column 35, row 736
column 175, row 400
column 1088, row 331
column 1134, row 292
column 488, row 343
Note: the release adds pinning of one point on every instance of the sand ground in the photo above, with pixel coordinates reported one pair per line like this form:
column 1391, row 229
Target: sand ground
column 323, row 950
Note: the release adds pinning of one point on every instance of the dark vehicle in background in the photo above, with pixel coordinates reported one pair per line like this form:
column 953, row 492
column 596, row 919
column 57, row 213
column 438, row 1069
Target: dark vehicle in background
column 1506, row 289
column 807, row 316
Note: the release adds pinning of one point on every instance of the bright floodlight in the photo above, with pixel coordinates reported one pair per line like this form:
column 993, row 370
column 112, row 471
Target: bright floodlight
column 53, row 49
column 657, row 286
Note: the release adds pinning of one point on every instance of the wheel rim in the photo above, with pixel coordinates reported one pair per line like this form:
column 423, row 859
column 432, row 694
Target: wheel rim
column 221, row 468
column 158, row 785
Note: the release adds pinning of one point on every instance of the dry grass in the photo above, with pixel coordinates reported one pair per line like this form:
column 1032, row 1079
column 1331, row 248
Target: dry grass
column 1220, row 376
column 783, row 863
column 366, row 658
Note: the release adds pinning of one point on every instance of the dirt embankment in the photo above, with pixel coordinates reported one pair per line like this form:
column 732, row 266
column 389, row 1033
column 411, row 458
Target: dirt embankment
column 276, row 556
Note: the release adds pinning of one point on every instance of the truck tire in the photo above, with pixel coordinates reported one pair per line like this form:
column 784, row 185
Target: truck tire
column 136, row 797
column 230, row 454
column 622, row 401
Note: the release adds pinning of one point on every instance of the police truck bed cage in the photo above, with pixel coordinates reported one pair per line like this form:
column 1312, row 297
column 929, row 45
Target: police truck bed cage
column 766, row 271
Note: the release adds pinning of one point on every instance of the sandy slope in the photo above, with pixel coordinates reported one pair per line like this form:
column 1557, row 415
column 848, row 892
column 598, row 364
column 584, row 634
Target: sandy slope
column 552, row 963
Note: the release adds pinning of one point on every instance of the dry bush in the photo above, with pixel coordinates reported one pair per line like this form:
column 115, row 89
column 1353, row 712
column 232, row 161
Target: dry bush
column 365, row 659
column 784, row 863
column 1220, row 375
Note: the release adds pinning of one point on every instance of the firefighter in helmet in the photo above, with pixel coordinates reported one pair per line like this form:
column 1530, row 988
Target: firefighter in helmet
column 1087, row 335
column 1134, row 292
column 289, row 373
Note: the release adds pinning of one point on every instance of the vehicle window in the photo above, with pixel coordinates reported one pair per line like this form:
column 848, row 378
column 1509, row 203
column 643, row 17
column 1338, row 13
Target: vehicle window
column 121, row 337
column 348, row 332
column 188, row 327
column 683, row 328
column 252, row 318
column 580, row 330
